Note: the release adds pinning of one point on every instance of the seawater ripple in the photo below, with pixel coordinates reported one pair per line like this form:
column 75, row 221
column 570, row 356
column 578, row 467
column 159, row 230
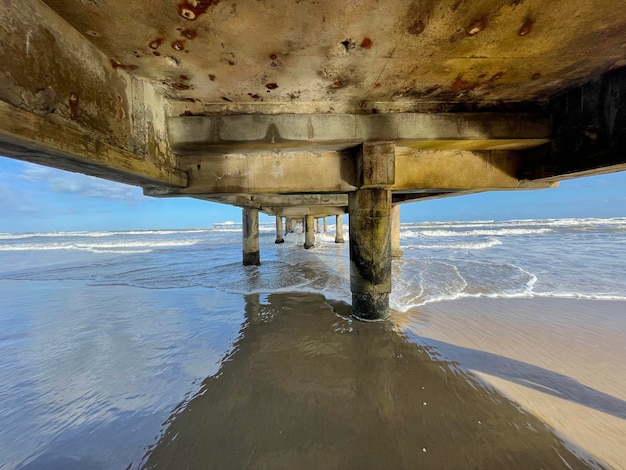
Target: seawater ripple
column 442, row 261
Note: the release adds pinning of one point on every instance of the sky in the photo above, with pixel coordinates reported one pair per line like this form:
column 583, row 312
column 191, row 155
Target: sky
column 35, row 198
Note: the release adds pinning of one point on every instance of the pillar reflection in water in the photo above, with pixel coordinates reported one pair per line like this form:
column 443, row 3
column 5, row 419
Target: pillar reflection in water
column 307, row 387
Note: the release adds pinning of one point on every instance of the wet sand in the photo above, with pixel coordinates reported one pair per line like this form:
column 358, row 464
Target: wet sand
column 562, row 360
column 306, row 387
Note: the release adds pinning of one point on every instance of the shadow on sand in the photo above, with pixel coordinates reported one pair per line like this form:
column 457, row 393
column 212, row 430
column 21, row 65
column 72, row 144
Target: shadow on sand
column 528, row 375
column 305, row 387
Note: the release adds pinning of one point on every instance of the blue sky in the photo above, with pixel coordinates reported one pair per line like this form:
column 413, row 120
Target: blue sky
column 39, row 199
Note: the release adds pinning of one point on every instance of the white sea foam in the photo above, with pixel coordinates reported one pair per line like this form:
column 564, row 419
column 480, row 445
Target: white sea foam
column 472, row 233
column 116, row 247
column 457, row 246
column 95, row 234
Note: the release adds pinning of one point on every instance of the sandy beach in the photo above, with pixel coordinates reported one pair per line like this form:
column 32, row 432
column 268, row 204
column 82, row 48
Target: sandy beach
column 560, row 359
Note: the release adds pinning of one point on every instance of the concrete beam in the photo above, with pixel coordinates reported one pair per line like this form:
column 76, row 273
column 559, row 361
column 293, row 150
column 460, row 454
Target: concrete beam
column 301, row 211
column 458, row 170
column 269, row 173
column 66, row 104
column 29, row 137
column 191, row 135
column 338, row 172
column 589, row 133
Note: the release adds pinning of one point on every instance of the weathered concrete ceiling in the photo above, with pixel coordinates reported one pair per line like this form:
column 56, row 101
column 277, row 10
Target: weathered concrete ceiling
column 219, row 99
column 276, row 56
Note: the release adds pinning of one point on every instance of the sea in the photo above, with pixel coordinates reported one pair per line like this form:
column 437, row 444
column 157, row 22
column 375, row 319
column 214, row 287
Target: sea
column 110, row 341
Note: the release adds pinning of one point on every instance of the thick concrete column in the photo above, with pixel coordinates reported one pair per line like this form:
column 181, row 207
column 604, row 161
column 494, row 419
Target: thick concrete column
column 396, row 252
column 279, row 230
column 370, row 253
column 339, row 229
column 309, row 234
column 317, row 225
column 250, row 225
column 325, row 226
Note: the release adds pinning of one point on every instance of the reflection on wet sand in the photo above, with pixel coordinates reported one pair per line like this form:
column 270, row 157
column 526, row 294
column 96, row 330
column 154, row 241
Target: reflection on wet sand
column 305, row 387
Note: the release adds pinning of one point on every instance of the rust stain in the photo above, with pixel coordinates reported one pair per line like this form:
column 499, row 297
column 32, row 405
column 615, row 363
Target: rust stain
column 74, row 106
column 227, row 99
column 183, row 77
column 212, row 77
column 116, row 64
column 120, row 114
column 366, row 43
column 271, row 86
column 178, row 45
column 156, row 53
column 496, row 76
column 526, row 27
column 273, row 56
column 460, row 84
column 255, row 97
column 418, row 26
column 535, row 76
column 476, row 27
column 192, row 9
column 155, row 43
column 180, row 86
column 188, row 33
column 377, row 85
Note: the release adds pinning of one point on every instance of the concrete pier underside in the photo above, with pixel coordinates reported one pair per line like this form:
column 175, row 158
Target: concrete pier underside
column 211, row 100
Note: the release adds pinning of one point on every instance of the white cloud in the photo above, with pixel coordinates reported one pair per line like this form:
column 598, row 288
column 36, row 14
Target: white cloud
column 74, row 183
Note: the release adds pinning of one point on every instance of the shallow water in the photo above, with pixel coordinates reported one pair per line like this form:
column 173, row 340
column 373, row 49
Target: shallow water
column 110, row 342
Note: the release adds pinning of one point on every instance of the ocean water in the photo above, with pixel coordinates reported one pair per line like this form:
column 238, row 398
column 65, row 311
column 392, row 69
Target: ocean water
column 106, row 338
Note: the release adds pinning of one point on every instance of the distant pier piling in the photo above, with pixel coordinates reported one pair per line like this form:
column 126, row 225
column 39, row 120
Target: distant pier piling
column 325, row 225
column 250, row 229
column 339, row 229
column 279, row 230
column 396, row 252
column 309, row 234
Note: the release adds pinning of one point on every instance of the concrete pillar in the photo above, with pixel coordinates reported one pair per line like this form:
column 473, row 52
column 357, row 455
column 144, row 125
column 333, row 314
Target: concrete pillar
column 279, row 230
column 339, row 229
column 370, row 253
column 317, row 225
column 309, row 235
column 396, row 252
column 250, row 225
column 325, row 226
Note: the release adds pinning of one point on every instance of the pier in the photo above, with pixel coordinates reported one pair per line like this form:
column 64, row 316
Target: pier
column 308, row 110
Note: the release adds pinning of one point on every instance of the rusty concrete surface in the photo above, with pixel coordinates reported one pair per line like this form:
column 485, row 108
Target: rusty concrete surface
column 353, row 56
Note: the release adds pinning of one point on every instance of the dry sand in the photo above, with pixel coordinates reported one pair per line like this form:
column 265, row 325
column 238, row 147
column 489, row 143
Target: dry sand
column 563, row 360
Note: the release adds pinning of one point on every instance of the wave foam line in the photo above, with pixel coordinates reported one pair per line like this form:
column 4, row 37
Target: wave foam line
column 96, row 234
column 457, row 246
column 473, row 233
column 513, row 295
column 97, row 246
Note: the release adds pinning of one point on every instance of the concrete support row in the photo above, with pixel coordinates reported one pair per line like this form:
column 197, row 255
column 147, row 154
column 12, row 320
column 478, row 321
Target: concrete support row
column 374, row 240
